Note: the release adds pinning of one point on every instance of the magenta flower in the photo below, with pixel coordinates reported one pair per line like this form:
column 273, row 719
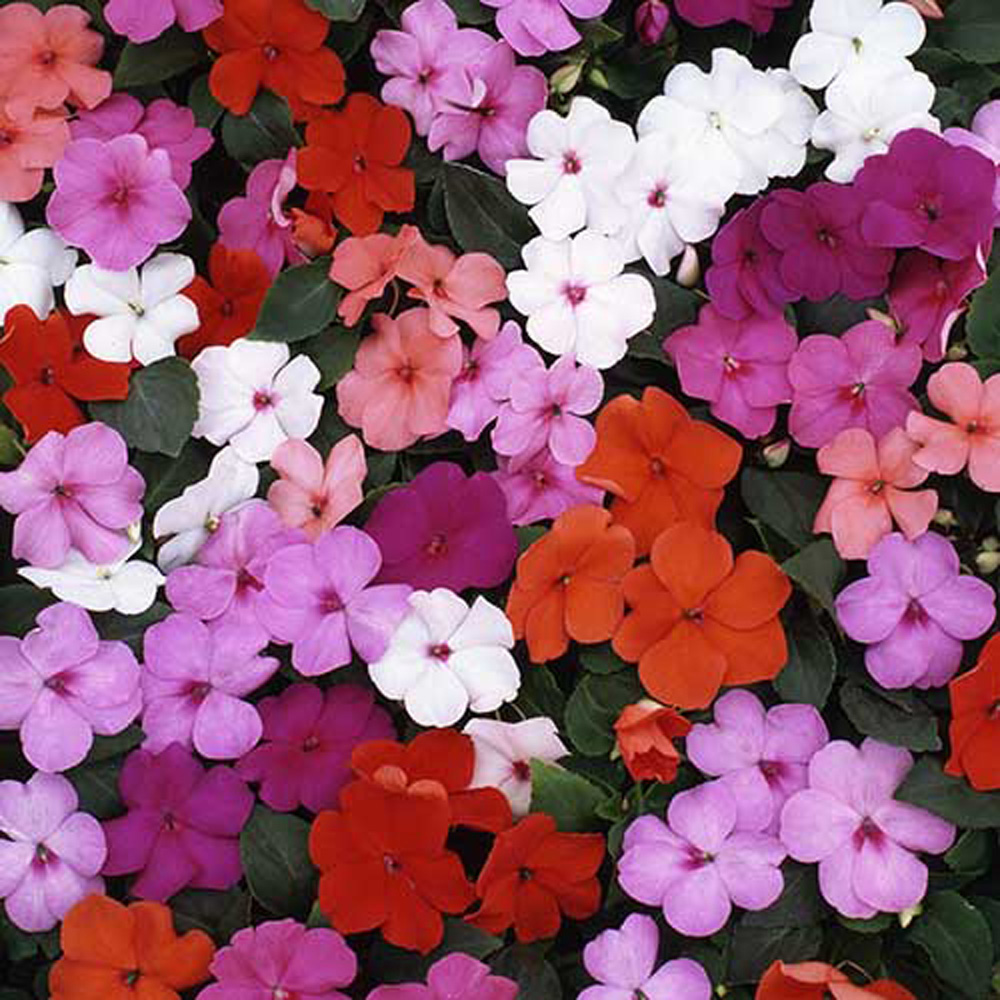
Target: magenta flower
column 984, row 137
column 759, row 14
column 73, row 491
column 444, row 529
column 651, row 20
column 304, row 757
column 540, row 488
column 182, row 825
column 52, row 855
column 914, row 610
column 864, row 840
column 740, row 367
column 452, row 977
column 193, row 684
column 117, row 200
column 282, row 959
column 860, row 379
column 144, row 20
column 318, row 598
column 534, row 27
column 698, row 864
column 929, row 194
column 163, row 124
column 61, row 683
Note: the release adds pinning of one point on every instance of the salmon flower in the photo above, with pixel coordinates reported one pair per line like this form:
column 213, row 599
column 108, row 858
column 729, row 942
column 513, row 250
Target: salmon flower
column 365, row 265
column 975, row 722
column 816, row 980
column 27, row 148
column 645, row 733
column 569, row 583
column 662, row 466
column 700, row 620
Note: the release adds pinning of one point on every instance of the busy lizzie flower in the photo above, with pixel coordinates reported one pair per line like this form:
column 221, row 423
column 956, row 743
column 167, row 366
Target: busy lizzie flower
column 31, row 263
column 758, row 14
column 30, row 147
column 974, row 731
column 455, row 975
column 644, row 735
column 143, row 20
column 983, row 135
column 651, row 20
column 534, row 29
column 817, row 980
column 540, row 488
column 365, row 265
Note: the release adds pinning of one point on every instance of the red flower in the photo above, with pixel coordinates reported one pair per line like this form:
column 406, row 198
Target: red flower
column 355, row 154
column 975, row 725
column 532, row 874
column 645, row 732
column 51, row 370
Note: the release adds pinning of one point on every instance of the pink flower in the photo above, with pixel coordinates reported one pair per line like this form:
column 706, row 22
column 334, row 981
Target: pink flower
column 365, row 265
column 144, row 20
column 534, row 27
column 872, row 489
column 27, row 148
column 117, row 200
column 973, row 437
column 73, row 491
column 314, row 497
column 651, row 20
column 860, row 379
column 450, row 978
column 759, row 14
column 539, row 488
column 61, row 683
column 739, row 366
column 983, row 136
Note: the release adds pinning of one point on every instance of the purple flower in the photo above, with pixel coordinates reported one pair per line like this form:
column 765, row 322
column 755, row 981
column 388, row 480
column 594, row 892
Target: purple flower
column 759, row 14
column 623, row 962
column 926, row 193
column 304, row 758
column 193, row 683
column 651, row 20
column 144, row 20
column 487, row 107
column 61, row 683
column 454, row 977
column 444, row 529
column 117, row 200
column 860, row 379
column 318, row 598
column 534, row 27
column 73, row 491
column 696, row 867
column 52, row 854
column 863, row 839
column 739, row 366
column 914, row 610
column 182, row 825
column 539, row 488
column 984, row 137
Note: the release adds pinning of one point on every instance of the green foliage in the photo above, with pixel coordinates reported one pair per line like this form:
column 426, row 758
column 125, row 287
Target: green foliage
column 173, row 53
column 339, row 10
column 274, row 850
column 265, row 132
column 809, row 674
column 301, row 302
column 972, row 30
column 569, row 798
column 956, row 938
column 784, row 501
column 953, row 799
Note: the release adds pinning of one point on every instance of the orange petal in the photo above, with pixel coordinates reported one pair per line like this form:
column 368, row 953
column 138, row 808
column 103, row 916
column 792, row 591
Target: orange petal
column 691, row 561
column 752, row 655
column 594, row 609
column 100, row 930
column 754, row 592
column 684, row 669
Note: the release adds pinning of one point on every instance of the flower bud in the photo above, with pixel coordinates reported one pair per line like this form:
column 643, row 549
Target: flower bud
column 883, row 317
column 957, row 352
column 907, row 916
column 945, row 518
column 564, row 80
column 651, row 20
column 988, row 556
column 598, row 78
column 689, row 269
column 776, row 453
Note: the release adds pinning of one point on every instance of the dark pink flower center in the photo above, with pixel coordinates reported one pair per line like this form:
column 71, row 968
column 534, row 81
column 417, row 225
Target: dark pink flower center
column 198, row 691
column 62, row 490
column 915, row 613
column 941, row 290
column 440, row 651
column 245, row 580
column 330, row 602
column 121, row 194
column 46, row 57
column 571, row 163
column 426, row 75
column 657, row 468
column 43, row 855
column 657, row 197
column 271, row 53
column 170, row 821
column 310, row 743
column 58, row 683
column 262, row 400
column 575, row 294
column 697, row 858
column 521, row 769
column 6, row 137
column 405, row 372
column 868, row 831
column 539, row 479
column 876, row 487
column 317, row 506
column 731, row 365
column 931, row 209
column 470, row 372
column 826, row 238
column 437, row 546
column 773, row 770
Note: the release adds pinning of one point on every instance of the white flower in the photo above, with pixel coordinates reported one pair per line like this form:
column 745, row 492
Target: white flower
column 865, row 109
column 141, row 314
column 253, row 397
column 194, row 515
column 30, row 264
column 504, row 751
column 577, row 300
column 445, row 658
column 571, row 181
column 848, row 33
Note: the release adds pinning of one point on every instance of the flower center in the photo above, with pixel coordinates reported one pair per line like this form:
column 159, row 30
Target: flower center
column 43, row 855
column 436, row 546
column 539, row 479
column 405, row 372
column 571, row 163
column 57, row 683
column 120, row 196
column 170, row 821
column 46, row 57
column 868, row 831
column 359, row 165
column 749, row 256
column 657, row 197
column 575, row 294
column 524, row 874
column 227, row 308
column 47, row 377
column 391, row 864
column 857, row 44
column 972, row 427
column 438, row 289
column 931, row 209
column 271, row 53
column 521, row 769
column 61, row 490
column 6, row 137
column 198, row 691
column 876, row 487
column 696, row 615
column 425, row 75
column 330, row 602
column 470, row 372
column 310, row 743
column 656, row 468
column 130, row 977
column 915, row 613
column 731, row 365
column 994, row 710
column 771, row 769
column 440, row 651
column 715, row 119
column 280, row 994
column 826, row 237
column 317, row 506
column 245, row 580
column 941, row 290
column 262, row 400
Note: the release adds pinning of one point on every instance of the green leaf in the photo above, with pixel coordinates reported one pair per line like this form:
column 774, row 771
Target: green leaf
column 675, row 307
column 535, row 978
column 161, row 408
column 11, row 450
column 799, row 903
column 567, row 797
column 833, row 316
column 332, row 351
column 952, row 799
column 471, row 12
column 540, row 694
column 167, row 477
column 218, row 914
column 601, row 659
column 20, row 604
column 265, row 132
column 818, row 570
column 982, row 325
column 896, row 717
column 130, row 628
column 301, row 302
column 97, row 786
column 173, row 53
column 206, row 109
column 956, row 939
column 593, row 707
column 752, row 949
column 109, row 747
column 274, row 849
column 972, row 29
column 339, row 10
column 971, row 853
column 784, row 501
column 812, row 663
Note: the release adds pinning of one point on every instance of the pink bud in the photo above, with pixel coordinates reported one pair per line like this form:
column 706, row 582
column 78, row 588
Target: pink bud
column 651, row 19
column 929, row 8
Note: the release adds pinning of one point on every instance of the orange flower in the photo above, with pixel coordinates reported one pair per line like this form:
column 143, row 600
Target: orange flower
column 645, row 733
column 569, row 583
column 117, row 952
column 975, row 722
column 277, row 44
column 699, row 621
column 816, row 980
column 662, row 466
column 355, row 154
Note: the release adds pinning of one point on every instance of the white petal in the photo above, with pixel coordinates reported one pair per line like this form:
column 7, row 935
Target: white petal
column 484, row 624
column 95, row 291
column 442, row 612
column 135, row 586
column 529, row 181
column 436, row 699
column 25, row 285
column 46, row 250
column 258, row 439
column 489, row 674
column 164, row 276
column 818, row 57
column 110, row 338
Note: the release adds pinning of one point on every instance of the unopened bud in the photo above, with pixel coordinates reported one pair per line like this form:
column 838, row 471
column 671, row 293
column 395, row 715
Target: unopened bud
column 957, row 352
column 689, row 269
column 651, row 20
column 134, row 531
column 597, row 77
column 776, row 453
column 944, row 518
column 884, row 318
column 564, row 80
column 907, row 916
column 988, row 556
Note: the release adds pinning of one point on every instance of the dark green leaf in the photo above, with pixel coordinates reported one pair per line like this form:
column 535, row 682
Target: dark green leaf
column 601, row 659
column 593, row 707
column 896, row 717
column 274, row 849
column 535, row 978
column 812, row 663
column 130, row 628
column 265, row 132
column 20, row 604
column 953, row 799
column 173, row 53
column 97, row 786
column 109, row 747
column 11, row 450
column 301, row 302
column 167, row 477
column 332, row 351
column 218, row 914
column 339, row 10
column 971, row 853
column 207, row 110
column 833, row 316
column 753, row 949
column 799, row 903
column 982, row 325
column 972, row 29
column 675, row 307
column 471, row 12
column 568, row 798
column 540, row 694
column 784, row 501
column 818, row 570
column 956, row 938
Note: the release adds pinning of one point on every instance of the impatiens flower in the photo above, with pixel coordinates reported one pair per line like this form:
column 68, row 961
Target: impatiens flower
column 577, row 300
column 651, row 20
column 740, row 367
column 444, row 529
column 661, row 466
column 504, row 751
column 318, row 597
column 252, row 397
column 62, row 683
column 303, row 758
column 50, row 853
column 577, row 162
column 914, row 610
column 983, row 135
column 972, row 438
column 534, row 875
column 759, row 14
column 383, row 864
column 365, row 265
column 30, row 147
column 760, row 756
column 77, row 491
column 194, row 680
column 536, row 28
column 455, row 975
column 700, row 620
column 699, row 863
column 974, row 731
column 139, row 314
column 279, row 46
column 399, row 388
column 644, row 735
column 864, row 840
column 539, row 488
column 623, row 961
column 446, row 658
column 127, row 951
column 117, row 200
column 314, row 496
column 859, row 379
column 181, row 827
column 871, row 490
column 817, row 980
column 143, row 20
column 30, row 264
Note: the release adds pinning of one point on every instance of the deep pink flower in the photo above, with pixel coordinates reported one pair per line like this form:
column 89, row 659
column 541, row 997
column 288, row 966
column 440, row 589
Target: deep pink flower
column 144, row 20
column 454, row 977
column 539, row 488
column 759, row 14
column 983, row 135
column 534, row 27
column 651, row 20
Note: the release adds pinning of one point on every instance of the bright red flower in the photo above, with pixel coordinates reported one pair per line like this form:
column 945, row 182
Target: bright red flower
column 975, row 725
column 817, row 980
column 645, row 733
